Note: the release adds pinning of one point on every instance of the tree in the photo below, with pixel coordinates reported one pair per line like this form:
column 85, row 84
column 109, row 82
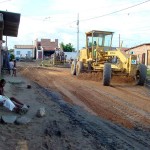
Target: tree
column 11, row 51
column 11, row 54
column 67, row 48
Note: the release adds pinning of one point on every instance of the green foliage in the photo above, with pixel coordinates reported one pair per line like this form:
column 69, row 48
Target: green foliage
column 67, row 48
column 11, row 51
column 12, row 56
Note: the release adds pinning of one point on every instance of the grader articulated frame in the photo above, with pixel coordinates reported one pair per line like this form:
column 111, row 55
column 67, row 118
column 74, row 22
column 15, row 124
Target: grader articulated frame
column 100, row 56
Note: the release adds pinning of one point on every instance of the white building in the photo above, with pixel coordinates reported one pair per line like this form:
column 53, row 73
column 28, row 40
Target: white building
column 24, row 51
column 71, row 55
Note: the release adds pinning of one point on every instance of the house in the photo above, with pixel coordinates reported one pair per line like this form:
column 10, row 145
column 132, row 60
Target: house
column 9, row 24
column 45, row 47
column 24, row 51
column 143, row 53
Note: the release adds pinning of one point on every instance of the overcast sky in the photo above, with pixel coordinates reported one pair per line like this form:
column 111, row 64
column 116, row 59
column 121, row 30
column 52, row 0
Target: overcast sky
column 57, row 19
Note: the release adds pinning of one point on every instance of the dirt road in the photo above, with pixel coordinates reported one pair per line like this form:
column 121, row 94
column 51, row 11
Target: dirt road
column 81, row 114
column 122, row 103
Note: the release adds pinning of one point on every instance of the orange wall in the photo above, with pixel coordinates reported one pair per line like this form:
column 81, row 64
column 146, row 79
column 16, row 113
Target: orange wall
column 139, row 51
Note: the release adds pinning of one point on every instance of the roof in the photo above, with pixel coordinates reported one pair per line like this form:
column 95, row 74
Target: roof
column 24, row 46
column 11, row 23
column 48, row 45
column 138, row 46
column 99, row 32
column 124, row 49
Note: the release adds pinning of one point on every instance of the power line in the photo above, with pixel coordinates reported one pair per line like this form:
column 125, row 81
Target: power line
column 116, row 11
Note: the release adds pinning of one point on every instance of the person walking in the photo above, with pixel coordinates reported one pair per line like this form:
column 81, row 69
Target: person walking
column 11, row 66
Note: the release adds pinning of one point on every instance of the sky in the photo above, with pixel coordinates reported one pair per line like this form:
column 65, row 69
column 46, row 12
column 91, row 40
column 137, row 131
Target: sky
column 57, row 19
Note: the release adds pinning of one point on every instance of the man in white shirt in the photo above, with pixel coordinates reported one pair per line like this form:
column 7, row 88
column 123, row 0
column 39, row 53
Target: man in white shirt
column 6, row 102
column 11, row 103
column 11, row 66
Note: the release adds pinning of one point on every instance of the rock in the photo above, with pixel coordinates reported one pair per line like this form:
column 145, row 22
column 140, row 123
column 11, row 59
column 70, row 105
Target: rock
column 9, row 119
column 41, row 112
column 24, row 109
column 23, row 120
column 28, row 86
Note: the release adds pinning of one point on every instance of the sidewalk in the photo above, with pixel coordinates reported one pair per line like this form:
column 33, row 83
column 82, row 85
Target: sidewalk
column 17, row 87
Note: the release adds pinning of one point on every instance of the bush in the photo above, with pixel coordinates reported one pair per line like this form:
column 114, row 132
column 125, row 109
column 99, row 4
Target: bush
column 12, row 56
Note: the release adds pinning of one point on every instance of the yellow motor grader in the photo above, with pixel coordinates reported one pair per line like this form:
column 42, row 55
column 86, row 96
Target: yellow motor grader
column 98, row 55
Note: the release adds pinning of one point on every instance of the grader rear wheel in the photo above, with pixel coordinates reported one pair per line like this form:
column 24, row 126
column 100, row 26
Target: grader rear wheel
column 107, row 74
column 79, row 67
column 141, row 74
column 73, row 67
column 89, row 66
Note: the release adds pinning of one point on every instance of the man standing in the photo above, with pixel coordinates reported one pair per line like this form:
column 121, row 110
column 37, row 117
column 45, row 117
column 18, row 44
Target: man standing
column 11, row 66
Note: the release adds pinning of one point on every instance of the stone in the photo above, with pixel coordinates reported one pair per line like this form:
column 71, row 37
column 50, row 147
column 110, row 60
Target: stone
column 23, row 120
column 28, row 86
column 41, row 112
column 10, row 119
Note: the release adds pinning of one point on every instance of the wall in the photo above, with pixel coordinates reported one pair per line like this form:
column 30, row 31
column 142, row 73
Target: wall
column 71, row 55
column 139, row 52
column 24, row 53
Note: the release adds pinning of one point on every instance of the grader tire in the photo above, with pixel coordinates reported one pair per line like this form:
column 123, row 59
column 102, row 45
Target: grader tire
column 141, row 74
column 89, row 66
column 107, row 74
column 73, row 67
column 79, row 67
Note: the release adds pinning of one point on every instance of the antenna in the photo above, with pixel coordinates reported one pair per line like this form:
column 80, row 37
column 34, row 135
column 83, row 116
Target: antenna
column 78, row 32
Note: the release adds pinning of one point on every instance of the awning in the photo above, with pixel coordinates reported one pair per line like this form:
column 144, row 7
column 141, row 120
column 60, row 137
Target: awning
column 11, row 23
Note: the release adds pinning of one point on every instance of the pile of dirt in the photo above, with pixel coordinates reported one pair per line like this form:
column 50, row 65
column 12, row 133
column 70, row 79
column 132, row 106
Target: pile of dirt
column 123, row 79
column 98, row 76
column 93, row 76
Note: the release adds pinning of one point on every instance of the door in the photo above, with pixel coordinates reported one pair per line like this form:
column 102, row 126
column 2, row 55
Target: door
column 143, row 58
column 39, row 54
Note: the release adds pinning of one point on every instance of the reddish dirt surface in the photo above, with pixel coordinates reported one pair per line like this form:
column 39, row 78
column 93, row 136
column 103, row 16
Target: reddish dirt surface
column 81, row 114
column 123, row 102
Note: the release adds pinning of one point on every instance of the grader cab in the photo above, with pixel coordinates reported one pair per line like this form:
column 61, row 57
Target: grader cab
column 98, row 55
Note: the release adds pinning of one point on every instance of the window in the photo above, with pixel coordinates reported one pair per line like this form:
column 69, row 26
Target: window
column 131, row 52
column 18, row 52
column 29, row 54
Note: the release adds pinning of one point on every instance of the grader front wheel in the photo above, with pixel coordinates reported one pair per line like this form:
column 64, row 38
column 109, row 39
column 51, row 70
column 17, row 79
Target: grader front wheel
column 73, row 68
column 107, row 74
column 79, row 67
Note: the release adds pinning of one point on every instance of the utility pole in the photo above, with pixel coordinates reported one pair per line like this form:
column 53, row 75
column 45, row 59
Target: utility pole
column 78, row 33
